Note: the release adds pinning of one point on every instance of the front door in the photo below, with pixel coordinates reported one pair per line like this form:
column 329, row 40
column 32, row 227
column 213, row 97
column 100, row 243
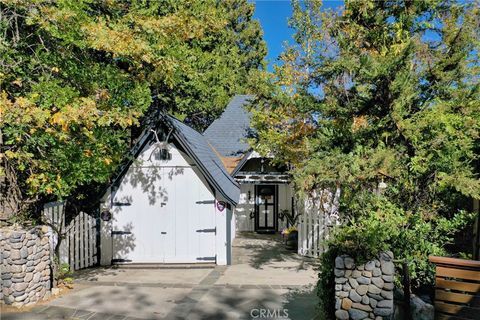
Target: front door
column 266, row 205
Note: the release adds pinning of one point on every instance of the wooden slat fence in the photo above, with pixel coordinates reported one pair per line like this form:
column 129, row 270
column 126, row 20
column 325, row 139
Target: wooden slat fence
column 318, row 215
column 457, row 288
column 79, row 245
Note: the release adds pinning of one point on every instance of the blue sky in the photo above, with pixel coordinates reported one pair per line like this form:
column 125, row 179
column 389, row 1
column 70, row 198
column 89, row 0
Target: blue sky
column 273, row 16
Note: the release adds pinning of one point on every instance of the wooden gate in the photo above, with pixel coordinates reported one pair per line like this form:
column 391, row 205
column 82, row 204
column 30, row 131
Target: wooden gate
column 78, row 246
column 318, row 214
column 457, row 288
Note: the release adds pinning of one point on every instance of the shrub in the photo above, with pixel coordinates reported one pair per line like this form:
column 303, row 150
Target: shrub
column 64, row 274
column 410, row 236
column 382, row 226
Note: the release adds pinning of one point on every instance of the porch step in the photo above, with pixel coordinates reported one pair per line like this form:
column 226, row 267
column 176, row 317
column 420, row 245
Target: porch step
column 165, row 265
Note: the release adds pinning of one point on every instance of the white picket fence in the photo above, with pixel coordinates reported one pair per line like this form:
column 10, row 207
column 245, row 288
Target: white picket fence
column 79, row 245
column 318, row 215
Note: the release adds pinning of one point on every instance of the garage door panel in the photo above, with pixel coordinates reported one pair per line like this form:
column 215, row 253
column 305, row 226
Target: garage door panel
column 206, row 242
column 206, row 223
column 135, row 211
column 166, row 210
column 182, row 217
column 140, row 244
column 170, row 222
column 190, row 222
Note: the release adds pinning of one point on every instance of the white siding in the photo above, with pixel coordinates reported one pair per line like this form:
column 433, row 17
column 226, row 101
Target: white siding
column 166, row 222
column 224, row 237
column 244, row 207
column 284, row 203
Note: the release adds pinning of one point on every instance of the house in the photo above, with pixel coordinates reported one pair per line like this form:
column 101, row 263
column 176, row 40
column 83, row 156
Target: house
column 182, row 196
column 265, row 189
column 173, row 202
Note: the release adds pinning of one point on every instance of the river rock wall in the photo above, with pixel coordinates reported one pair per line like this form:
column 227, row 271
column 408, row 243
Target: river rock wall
column 25, row 262
column 364, row 291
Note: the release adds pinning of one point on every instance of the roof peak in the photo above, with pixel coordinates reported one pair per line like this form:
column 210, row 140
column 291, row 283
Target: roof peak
column 229, row 132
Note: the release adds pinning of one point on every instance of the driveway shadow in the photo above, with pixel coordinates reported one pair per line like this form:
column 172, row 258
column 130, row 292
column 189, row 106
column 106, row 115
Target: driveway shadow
column 302, row 303
column 231, row 303
column 94, row 273
column 259, row 250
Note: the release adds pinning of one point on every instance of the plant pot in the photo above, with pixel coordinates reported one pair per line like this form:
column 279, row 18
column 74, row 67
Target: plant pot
column 292, row 240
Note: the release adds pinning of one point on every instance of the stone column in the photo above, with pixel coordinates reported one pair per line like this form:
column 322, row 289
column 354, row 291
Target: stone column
column 364, row 291
column 25, row 272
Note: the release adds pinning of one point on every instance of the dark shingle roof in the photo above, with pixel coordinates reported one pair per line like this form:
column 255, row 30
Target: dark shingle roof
column 208, row 162
column 227, row 134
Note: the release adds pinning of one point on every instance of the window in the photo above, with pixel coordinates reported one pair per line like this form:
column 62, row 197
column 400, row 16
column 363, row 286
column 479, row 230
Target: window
column 163, row 154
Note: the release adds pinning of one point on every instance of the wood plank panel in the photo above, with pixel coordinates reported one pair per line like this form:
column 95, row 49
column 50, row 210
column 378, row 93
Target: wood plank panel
column 66, row 249
column 77, row 242
column 458, row 273
column 82, row 240
column 457, row 285
column 86, row 260
column 64, row 245
column 89, row 241
column 458, row 310
column 448, row 317
column 71, row 242
column 472, row 300
column 455, row 262
column 55, row 216
column 88, row 229
column 301, row 234
column 93, row 241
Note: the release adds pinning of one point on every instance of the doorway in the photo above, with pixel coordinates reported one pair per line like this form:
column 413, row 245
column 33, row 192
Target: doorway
column 266, row 207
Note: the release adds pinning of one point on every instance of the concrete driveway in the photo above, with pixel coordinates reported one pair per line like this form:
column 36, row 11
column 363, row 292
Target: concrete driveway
column 264, row 282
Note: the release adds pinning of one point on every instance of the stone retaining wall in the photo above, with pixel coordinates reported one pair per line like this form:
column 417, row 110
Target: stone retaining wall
column 364, row 291
column 25, row 265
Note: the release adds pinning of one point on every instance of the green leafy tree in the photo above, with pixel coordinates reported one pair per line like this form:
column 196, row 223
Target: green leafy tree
column 381, row 91
column 76, row 76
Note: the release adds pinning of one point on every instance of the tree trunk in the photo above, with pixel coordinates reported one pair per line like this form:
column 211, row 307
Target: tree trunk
column 11, row 199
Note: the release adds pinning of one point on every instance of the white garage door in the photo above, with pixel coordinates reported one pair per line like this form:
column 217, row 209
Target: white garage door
column 163, row 215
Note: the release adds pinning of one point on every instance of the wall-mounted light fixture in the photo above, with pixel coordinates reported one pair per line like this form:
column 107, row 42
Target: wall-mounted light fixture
column 160, row 149
column 106, row 215
column 381, row 187
column 249, row 195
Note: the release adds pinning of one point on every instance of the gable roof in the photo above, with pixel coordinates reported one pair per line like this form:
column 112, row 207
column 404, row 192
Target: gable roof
column 197, row 147
column 227, row 134
column 207, row 161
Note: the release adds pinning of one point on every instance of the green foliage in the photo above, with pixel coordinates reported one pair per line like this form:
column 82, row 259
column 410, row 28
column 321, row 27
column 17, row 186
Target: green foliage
column 64, row 274
column 78, row 75
column 326, row 283
column 381, row 91
column 384, row 226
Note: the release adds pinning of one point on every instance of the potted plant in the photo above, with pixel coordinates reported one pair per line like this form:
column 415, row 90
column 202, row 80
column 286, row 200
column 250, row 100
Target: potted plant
column 290, row 235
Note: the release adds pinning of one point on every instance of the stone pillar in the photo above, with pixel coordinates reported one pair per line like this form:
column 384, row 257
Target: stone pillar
column 25, row 265
column 364, row 291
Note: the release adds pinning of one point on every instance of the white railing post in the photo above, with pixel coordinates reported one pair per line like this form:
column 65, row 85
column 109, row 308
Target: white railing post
column 318, row 215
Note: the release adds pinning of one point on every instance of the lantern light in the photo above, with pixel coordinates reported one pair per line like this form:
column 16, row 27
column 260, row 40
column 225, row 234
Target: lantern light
column 382, row 186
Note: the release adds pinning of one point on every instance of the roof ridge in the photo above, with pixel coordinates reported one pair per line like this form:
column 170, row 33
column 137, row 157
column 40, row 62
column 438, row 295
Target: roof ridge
column 206, row 159
column 226, row 134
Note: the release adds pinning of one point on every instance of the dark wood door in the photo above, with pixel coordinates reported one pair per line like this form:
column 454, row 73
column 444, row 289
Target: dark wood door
column 266, row 207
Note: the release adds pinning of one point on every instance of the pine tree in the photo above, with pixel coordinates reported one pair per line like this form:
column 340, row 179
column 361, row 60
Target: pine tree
column 382, row 91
